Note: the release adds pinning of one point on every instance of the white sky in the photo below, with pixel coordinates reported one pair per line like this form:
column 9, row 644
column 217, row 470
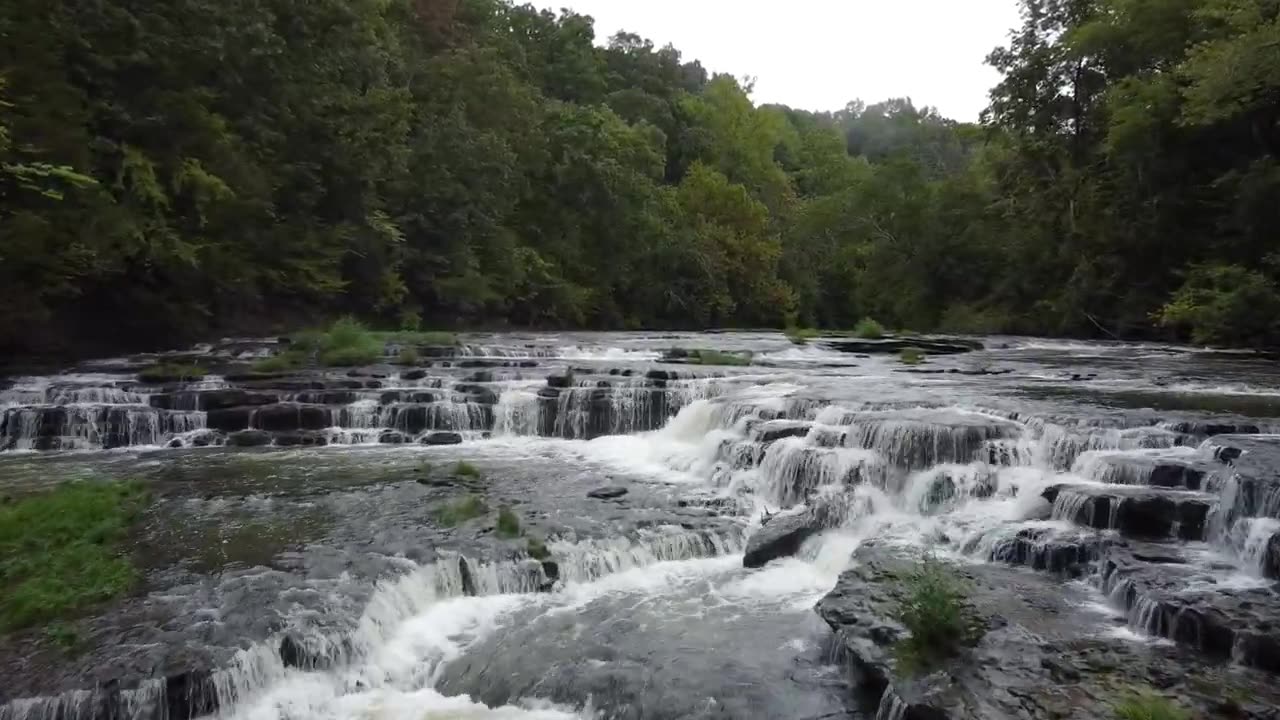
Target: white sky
column 820, row 54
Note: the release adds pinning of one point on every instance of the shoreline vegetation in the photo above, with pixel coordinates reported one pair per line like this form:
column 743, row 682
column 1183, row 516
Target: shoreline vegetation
column 464, row 163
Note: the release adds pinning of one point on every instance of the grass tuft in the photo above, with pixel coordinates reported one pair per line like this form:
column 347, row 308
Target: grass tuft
column 934, row 611
column 911, row 356
column 283, row 362
column 1149, row 706
column 60, row 552
column 508, row 523
column 172, row 372
column 801, row 336
column 466, row 469
column 537, row 548
column 407, row 356
column 460, row 511
column 869, row 329
column 710, row 357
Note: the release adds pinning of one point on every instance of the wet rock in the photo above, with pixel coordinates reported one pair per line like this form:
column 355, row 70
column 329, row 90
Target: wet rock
column 285, row 417
column 190, row 695
column 327, row 397
column 560, row 381
column 468, row 580
column 294, row 653
column 1137, row 512
column 212, row 399
column 1210, row 428
column 931, row 346
column 392, row 437
column 301, row 439
column 249, row 438
column 1167, row 596
column 1041, row 653
column 478, row 394
column 782, row 536
column 607, row 493
column 1271, row 558
column 483, row 376
column 413, row 375
column 779, row 429
column 442, row 438
column 229, row 419
column 1070, row 554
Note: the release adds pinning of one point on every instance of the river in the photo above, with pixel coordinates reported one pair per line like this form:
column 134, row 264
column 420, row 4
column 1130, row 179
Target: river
column 311, row 577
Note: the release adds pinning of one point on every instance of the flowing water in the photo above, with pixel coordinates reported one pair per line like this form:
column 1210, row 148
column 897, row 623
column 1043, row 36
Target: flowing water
column 311, row 578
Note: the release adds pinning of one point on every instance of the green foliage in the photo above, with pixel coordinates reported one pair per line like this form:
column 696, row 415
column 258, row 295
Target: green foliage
column 933, row 609
column 1149, row 706
column 407, row 356
column 911, row 356
column 508, row 523
column 1226, row 304
column 63, row 635
column 868, row 329
column 60, row 553
column 444, row 163
column 344, row 343
column 459, row 511
column 171, row 372
column 801, row 336
column 466, row 470
column 537, row 549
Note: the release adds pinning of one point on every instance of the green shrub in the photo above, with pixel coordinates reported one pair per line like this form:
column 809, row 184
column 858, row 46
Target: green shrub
column 466, row 469
column 460, row 511
column 537, row 548
column 60, row 552
column 508, row 523
column 172, row 372
column 1225, row 304
column 1149, row 706
column 911, row 356
column 346, row 342
column 868, row 329
column 801, row 336
column 933, row 609
column 63, row 635
column 407, row 356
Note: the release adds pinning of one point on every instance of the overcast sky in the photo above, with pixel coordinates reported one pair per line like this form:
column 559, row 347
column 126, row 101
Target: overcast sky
column 819, row 54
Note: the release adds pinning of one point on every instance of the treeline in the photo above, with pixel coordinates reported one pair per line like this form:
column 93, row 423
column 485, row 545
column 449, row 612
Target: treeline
column 173, row 169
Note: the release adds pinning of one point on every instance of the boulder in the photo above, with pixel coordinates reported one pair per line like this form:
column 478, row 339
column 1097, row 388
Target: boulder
column 442, row 438
column 607, row 493
column 1138, row 512
column 392, row 437
column 229, row 419
column 249, row 438
column 781, row 536
column 560, row 381
column 778, row 429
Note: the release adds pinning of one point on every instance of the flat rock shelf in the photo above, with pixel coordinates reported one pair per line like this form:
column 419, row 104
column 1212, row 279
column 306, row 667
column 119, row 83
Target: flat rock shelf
column 612, row 526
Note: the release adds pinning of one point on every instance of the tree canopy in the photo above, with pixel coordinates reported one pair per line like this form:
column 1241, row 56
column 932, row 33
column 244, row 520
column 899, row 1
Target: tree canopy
column 168, row 170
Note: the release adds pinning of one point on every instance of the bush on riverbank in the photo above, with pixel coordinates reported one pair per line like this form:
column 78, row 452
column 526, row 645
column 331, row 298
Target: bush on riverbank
column 801, row 336
column 933, row 609
column 868, row 329
column 911, row 356
column 60, row 552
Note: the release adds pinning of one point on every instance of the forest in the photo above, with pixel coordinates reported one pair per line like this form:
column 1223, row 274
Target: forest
column 171, row 170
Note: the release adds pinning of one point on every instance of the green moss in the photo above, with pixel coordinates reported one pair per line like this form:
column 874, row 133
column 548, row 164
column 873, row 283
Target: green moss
column 1149, row 706
column 60, row 552
column 460, row 511
column 508, row 523
column 933, row 609
column 466, row 470
column 537, row 548
column 911, row 356
column 868, row 329
column 172, row 372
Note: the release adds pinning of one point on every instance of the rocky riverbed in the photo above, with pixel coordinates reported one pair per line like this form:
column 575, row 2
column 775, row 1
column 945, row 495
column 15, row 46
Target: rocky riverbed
column 1113, row 509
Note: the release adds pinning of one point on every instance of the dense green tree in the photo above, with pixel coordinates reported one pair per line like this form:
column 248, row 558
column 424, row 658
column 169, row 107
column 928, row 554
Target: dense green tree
column 176, row 169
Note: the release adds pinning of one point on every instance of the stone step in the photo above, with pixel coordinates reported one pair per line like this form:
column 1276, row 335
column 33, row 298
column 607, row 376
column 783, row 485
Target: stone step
column 1167, row 595
column 1037, row 651
column 1156, row 468
column 1138, row 512
column 1069, row 553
